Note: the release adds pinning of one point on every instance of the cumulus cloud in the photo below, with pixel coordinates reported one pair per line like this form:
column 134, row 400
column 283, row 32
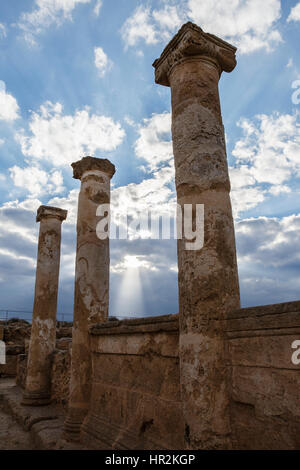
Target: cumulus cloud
column 102, row 62
column 267, row 158
column 69, row 203
column 269, row 241
column 139, row 27
column 152, row 26
column 37, row 181
column 266, row 246
column 18, row 223
column 154, row 143
column 47, row 13
column 167, row 19
column 18, row 254
column 61, row 139
column 268, row 263
column 295, row 13
column 9, row 108
column 153, row 194
column 238, row 21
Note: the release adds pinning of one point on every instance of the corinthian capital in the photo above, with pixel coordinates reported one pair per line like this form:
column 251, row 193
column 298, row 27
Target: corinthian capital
column 192, row 41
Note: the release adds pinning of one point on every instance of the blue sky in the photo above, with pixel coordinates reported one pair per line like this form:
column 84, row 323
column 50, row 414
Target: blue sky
column 76, row 79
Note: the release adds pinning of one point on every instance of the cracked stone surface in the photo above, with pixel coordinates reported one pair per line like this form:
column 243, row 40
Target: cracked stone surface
column 43, row 332
column 91, row 296
column 29, row 427
column 12, row 435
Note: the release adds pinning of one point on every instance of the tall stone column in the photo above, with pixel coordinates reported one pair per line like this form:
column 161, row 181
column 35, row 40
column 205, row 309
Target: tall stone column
column 91, row 283
column 191, row 65
column 43, row 331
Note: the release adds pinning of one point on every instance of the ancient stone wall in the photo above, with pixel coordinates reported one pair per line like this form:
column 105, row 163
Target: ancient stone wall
column 135, row 400
column 16, row 334
column 60, row 373
column 265, row 384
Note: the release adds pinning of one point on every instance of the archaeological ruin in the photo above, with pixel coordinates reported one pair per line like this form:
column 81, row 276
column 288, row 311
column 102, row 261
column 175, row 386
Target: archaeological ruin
column 213, row 376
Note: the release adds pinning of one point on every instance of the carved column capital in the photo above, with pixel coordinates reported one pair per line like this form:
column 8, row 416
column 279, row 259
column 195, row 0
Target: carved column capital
column 192, row 42
column 48, row 211
column 90, row 164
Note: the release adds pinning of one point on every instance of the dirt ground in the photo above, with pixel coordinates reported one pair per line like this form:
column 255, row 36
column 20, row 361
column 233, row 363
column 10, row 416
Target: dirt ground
column 12, row 436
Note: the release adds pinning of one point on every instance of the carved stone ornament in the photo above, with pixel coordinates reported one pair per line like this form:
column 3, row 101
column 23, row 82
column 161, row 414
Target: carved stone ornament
column 192, row 41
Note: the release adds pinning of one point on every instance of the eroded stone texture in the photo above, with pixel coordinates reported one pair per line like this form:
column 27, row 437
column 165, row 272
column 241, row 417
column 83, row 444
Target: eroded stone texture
column 15, row 333
column 60, row 373
column 265, row 405
column 135, row 399
column 91, row 282
column 191, row 65
column 42, row 340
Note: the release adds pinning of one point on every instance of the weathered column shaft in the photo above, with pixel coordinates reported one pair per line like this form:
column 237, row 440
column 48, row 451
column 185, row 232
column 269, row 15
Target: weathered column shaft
column 208, row 278
column 91, row 282
column 43, row 332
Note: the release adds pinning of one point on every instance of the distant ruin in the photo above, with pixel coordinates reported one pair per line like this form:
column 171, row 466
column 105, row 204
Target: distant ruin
column 215, row 376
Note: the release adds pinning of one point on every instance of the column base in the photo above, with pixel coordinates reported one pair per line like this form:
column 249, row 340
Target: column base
column 36, row 398
column 72, row 425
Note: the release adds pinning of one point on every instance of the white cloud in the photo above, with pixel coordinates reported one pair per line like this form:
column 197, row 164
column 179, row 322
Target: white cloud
column 139, row 27
column 2, row 31
column 267, row 158
column 36, row 181
column 238, row 21
column 152, row 26
column 130, row 262
column 135, row 199
column 156, row 192
column 102, row 62
column 69, row 203
column 18, row 218
column 154, row 143
column 269, row 241
column 129, row 121
column 97, row 7
column 269, row 265
column 167, row 19
column 46, row 13
column 62, row 139
column 151, row 192
column 295, row 13
column 9, row 109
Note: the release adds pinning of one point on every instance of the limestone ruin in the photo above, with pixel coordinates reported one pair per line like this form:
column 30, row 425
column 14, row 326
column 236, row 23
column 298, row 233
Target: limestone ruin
column 214, row 376
column 43, row 332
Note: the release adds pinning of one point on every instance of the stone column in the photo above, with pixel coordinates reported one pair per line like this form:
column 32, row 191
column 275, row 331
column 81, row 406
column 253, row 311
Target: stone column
column 91, row 283
column 191, row 65
column 43, row 331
